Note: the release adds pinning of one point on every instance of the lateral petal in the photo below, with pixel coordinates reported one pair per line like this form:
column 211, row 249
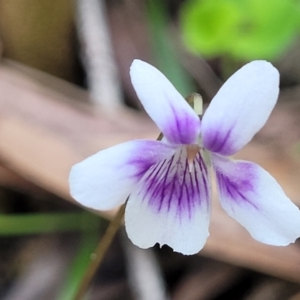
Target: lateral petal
column 171, row 205
column 164, row 104
column 251, row 196
column 240, row 108
column 105, row 179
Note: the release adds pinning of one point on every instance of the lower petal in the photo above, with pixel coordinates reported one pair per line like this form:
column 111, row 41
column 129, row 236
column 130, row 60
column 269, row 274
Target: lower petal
column 251, row 196
column 105, row 179
column 171, row 205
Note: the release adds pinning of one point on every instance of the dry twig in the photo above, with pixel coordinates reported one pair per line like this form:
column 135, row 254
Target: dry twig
column 97, row 54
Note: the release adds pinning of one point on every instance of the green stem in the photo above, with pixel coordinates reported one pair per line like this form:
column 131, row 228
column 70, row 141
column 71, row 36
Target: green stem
column 35, row 223
column 100, row 252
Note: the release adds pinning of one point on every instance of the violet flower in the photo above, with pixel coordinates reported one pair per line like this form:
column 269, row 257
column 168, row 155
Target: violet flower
column 168, row 182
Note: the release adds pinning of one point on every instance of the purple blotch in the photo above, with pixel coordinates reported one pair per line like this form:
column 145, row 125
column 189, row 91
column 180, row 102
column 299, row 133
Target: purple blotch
column 148, row 155
column 184, row 128
column 219, row 141
column 236, row 188
column 142, row 165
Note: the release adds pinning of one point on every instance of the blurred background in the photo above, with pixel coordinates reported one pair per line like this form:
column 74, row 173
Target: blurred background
column 65, row 93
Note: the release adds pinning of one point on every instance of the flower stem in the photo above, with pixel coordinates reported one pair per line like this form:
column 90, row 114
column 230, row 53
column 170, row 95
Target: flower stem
column 100, row 252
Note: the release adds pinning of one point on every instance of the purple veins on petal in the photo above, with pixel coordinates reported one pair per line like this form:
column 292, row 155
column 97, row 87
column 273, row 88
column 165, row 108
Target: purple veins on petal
column 184, row 130
column 149, row 153
column 142, row 166
column 203, row 170
column 218, row 141
column 235, row 187
column 170, row 185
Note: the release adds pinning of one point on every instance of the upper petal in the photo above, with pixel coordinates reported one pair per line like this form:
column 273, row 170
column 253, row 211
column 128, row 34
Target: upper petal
column 105, row 179
column 167, row 108
column 240, row 108
column 252, row 197
column 171, row 205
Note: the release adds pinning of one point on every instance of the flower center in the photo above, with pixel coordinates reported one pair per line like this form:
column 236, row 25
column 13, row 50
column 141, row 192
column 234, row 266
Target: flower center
column 191, row 151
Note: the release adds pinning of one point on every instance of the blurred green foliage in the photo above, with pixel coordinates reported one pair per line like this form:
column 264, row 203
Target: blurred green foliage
column 79, row 265
column 240, row 29
column 163, row 49
column 39, row 223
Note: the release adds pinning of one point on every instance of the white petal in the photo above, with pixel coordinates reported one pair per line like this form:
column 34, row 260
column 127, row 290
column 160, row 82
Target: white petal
column 171, row 206
column 167, row 108
column 105, row 179
column 252, row 197
column 240, row 108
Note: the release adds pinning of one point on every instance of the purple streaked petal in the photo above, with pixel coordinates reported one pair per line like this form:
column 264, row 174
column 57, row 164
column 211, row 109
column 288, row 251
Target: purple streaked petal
column 105, row 179
column 252, row 197
column 167, row 108
column 171, row 205
column 240, row 108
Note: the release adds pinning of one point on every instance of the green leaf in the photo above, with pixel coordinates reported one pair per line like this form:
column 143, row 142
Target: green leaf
column 242, row 29
column 22, row 224
column 209, row 26
column 271, row 28
column 79, row 266
column 163, row 49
